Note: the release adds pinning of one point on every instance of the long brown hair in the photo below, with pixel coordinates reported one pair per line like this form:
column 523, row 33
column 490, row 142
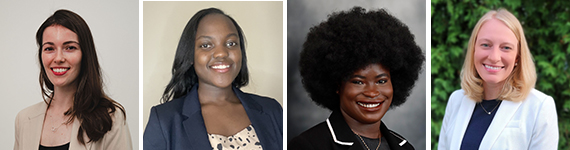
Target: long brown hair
column 90, row 103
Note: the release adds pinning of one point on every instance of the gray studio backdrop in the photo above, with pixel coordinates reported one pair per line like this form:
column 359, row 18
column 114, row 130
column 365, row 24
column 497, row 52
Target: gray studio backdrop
column 408, row 119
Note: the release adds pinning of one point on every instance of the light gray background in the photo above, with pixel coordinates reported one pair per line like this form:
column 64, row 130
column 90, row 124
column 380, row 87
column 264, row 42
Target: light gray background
column 407, row 120
column 114, row 25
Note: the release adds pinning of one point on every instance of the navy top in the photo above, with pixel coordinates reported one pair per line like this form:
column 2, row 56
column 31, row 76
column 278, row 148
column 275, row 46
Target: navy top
column 479, row 124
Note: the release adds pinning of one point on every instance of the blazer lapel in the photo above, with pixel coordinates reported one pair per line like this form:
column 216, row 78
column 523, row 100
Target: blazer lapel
column 35, row 125
column 74, row 142
column 503, row 116
column 259, row 120
column 194, row 125
column 461, row 121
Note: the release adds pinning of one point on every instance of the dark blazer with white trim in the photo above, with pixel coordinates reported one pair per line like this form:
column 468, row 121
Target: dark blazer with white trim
column 178, row 124
column 334, row 134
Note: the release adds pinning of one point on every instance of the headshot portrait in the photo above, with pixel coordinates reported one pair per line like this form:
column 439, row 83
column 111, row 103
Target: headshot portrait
column 76, row 85
column 213, row 75
column 355, row 71
column 498, row 78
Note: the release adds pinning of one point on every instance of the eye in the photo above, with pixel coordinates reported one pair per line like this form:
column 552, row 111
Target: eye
column 48, row 49
column 231, row 44
column 484, row 45
column 507, row 48
column 71, row 48
column 205, row 46
column 382, row 81
column 357, row 82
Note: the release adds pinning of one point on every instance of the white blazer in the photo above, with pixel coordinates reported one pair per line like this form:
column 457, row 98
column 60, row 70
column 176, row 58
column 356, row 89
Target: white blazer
column 530, row 124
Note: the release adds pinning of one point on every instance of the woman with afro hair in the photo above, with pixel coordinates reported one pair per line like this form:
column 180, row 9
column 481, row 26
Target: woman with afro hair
column 358, row 64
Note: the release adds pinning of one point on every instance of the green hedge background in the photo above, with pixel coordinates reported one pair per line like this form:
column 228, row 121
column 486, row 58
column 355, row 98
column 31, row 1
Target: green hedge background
column 546, row 25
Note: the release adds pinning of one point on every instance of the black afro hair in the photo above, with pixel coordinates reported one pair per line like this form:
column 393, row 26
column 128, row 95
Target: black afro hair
column 351, row 40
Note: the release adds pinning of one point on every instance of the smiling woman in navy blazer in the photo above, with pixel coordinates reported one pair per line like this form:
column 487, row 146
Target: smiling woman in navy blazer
column 208, row 110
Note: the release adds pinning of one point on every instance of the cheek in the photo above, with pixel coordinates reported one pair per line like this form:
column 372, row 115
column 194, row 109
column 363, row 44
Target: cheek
column 237, row 57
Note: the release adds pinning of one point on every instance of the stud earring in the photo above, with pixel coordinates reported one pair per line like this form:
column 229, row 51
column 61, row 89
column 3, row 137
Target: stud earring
column 516, row 64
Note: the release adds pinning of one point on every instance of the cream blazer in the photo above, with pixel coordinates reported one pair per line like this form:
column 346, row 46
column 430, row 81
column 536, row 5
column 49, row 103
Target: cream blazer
column 29, row 130
column 530, row 124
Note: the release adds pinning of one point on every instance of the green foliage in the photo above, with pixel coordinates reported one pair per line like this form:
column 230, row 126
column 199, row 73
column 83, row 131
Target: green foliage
column 547, row 30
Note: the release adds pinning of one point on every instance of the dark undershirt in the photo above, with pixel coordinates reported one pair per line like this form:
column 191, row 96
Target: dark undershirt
column 479, row 124
column 61, row 147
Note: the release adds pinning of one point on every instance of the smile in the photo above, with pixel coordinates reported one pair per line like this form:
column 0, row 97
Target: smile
column 369, row 105
column 491, row 67
column 220, row 66
column 59, row 71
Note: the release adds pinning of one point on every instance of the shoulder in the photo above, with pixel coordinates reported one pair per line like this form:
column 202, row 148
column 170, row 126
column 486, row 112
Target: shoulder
column 537, row 96
column 32, row 111
column 399, row 140
column 267, row 103
column 456, row 97
column 317, row 135
column 169, row 108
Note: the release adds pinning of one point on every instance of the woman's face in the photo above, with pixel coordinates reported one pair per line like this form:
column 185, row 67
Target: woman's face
column 61, row 55
column 367, row 95
column 496, row 49
column 217, row 54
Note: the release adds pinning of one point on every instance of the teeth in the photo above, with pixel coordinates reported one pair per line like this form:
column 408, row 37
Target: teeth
column 221, row 66
column 59, row 70
column 368, row 105
column 490, row 67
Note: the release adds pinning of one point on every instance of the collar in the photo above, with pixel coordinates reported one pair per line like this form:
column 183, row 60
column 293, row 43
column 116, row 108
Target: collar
column 343, row 135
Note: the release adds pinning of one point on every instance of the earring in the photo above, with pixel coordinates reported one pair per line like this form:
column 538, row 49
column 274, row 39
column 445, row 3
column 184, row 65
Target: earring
column 516, row 64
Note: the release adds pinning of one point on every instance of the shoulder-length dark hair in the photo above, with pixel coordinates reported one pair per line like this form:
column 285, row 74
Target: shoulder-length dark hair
column 183, row 74
column 90, row 104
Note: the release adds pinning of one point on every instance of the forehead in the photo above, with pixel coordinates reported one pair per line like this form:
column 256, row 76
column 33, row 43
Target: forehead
column 214, row 23
column 495, row 29
column 58, row 32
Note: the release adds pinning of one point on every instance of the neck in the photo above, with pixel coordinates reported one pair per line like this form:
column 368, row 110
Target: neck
column 491, row 90
column 371, row 130
column 63, row 98
column 212, row 94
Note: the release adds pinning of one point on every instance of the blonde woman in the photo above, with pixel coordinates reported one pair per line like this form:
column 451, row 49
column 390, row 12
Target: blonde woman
column 497, row 106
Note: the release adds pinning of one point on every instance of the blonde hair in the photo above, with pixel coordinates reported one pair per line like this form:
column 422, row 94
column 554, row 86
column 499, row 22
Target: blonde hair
column 520, row 81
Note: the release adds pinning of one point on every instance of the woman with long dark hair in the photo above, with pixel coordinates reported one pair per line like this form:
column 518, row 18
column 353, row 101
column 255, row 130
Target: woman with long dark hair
column 76, row 113
column 203, row 106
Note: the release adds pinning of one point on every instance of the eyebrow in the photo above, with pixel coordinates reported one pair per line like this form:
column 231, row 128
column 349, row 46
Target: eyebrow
column 64, row 43
column 377, row 76
column 209, row 37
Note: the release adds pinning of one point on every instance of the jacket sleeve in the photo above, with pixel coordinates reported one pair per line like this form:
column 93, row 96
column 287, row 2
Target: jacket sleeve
column 119, row 137
column 153, row 138
column 545, row 132
column 443, row 144
column 17, row 133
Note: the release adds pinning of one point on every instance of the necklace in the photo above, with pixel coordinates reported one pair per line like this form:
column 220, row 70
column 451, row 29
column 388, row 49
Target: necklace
column 54, row 129
column 365, row 142
column 489, row 112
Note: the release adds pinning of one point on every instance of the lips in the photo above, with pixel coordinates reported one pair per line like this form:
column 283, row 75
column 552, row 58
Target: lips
column 58, row 71
column 221, row 68
column 492, row 68
column 370, row 105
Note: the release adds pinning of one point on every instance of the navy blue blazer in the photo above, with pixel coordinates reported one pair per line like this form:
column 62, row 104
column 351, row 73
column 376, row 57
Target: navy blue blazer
column 178, row 124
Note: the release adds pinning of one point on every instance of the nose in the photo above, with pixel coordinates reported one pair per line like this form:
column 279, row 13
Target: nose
column 371, row 91
column 495, row 55
column 220, row 52
column 59, row 56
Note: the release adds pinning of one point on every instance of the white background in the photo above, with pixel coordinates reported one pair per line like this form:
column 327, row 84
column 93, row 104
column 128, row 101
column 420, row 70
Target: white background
column 114, row 25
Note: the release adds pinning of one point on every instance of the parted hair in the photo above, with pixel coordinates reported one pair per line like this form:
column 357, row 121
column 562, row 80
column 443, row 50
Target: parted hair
column 91, row 105
column 520, row 81
column 351, row 40
column 184, row 76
